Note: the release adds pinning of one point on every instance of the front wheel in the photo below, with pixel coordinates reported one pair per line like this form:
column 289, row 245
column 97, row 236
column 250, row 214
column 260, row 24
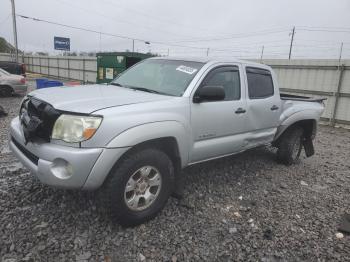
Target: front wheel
column 290, row 146
column 139, row 187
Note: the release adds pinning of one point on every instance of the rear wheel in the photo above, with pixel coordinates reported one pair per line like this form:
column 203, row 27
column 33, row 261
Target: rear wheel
column 139, row 187
column 290, row 146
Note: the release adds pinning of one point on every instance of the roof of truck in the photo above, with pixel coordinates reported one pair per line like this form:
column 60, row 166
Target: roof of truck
column 206, row 59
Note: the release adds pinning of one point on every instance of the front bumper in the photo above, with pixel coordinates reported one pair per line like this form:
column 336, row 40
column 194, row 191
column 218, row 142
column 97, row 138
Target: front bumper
column 63, row 166
column 20, row 89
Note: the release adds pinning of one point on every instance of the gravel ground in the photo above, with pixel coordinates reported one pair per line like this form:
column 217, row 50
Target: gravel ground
column 240, row 208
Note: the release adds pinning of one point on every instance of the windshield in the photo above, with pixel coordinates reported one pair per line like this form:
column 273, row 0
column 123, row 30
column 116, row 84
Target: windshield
column 169, row 77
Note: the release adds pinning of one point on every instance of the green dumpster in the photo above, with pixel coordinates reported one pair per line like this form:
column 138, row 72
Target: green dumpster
column 109, row 65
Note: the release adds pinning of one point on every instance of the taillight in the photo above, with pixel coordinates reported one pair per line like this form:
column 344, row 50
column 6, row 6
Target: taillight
column 23, row 80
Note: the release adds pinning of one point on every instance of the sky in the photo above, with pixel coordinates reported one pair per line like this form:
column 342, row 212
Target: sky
column 239, row 29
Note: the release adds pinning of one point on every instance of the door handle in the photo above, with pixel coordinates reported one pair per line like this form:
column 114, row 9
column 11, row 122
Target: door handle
column 240, row 111
column 274, row 107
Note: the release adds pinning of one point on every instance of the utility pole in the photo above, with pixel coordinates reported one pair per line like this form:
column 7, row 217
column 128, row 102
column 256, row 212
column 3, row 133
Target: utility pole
column 14, row 28
column 291, row 43
column 262, row 53
column 133, row 45
column 341, row 51
column 100, row 41
column 100, row 38
column 168, row 51
column 208, row 51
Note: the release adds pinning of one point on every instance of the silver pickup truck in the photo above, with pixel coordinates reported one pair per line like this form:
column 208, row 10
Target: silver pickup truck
column 131, row 138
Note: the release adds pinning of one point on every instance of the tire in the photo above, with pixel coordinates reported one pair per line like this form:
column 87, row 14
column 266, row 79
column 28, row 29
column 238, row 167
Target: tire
column 5, row 91
column 130, row 208
column 290, row 146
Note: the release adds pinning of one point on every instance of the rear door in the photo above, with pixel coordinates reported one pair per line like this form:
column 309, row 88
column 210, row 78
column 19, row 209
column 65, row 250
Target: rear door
column 219, row 126
column 263, row 106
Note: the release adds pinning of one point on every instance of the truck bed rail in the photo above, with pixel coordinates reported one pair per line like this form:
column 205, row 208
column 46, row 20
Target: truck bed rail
column 285, row 96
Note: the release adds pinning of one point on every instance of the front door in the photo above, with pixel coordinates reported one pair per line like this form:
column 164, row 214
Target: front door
column 219, row 126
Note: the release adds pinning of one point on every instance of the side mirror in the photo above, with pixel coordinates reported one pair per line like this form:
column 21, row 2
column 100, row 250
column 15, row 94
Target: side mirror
column 209, row 93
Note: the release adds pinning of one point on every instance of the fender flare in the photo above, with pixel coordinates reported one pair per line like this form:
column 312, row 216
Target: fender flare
column 305, row 115
column 154, row 130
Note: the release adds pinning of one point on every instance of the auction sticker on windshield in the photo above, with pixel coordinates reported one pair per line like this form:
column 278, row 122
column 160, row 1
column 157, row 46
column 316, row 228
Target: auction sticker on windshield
column 186, row 69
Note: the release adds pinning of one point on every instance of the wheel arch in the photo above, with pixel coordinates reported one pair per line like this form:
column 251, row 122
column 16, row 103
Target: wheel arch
column 309, row 127
column 168, row 145
column 171, row 133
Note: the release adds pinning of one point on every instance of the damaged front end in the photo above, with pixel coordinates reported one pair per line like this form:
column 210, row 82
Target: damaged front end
column 37, row 119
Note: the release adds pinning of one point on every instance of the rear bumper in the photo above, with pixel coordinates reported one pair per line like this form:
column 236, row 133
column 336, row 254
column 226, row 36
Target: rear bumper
column 20, row 89
column 63, row 166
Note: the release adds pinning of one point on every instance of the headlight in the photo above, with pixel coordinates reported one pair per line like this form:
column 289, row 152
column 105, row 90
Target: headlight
column 74, row 128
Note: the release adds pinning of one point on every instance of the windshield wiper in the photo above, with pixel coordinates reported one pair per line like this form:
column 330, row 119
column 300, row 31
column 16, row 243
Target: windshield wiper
column 147, row 90
column 115, row 84
column 140, row 89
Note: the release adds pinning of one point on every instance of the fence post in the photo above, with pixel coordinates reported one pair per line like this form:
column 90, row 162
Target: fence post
column 337, row 94
column 68, row 67
column 84, row 70
column 58, row 68
column 48, row 66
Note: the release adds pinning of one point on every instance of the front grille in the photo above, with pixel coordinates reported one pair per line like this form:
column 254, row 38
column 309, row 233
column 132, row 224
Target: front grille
column 25, row 152
column 37, row 119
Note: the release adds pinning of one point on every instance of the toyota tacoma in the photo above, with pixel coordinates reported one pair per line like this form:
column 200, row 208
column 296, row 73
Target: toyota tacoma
column 132, row 138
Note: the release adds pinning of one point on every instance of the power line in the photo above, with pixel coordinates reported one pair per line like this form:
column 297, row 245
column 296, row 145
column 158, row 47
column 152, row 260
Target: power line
column 324, row 30
column 239, row 49
column 161, row 20
column 243, row 35
column 76, row 27
column 299, row 49
column 267, row 31
column 127, row 37
column 324, row 27
column 321, row 41
column 249, row 47
column 337, row 30
column 105, row 33
column 314, row 46
column 116, row 20
column 4, row 20
column 245, row 45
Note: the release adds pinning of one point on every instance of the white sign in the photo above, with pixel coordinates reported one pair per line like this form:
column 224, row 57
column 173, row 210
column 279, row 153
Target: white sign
column 120, row 59
column 109, row 73
column 186, row 69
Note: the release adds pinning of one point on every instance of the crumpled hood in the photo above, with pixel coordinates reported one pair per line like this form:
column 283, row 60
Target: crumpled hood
column 90, row 98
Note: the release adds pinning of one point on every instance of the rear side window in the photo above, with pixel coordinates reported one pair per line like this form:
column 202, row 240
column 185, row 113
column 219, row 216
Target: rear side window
column 260, row 83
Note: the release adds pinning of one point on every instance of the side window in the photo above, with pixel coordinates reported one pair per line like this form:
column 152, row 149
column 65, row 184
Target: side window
column 260, row 83
column 228, row 78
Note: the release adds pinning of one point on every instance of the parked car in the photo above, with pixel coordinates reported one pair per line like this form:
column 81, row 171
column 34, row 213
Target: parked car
column 132, row 138
column 12, row 84
column 13, row 67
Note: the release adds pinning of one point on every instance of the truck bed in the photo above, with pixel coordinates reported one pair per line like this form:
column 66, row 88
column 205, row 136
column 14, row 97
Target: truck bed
column 285, row 96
